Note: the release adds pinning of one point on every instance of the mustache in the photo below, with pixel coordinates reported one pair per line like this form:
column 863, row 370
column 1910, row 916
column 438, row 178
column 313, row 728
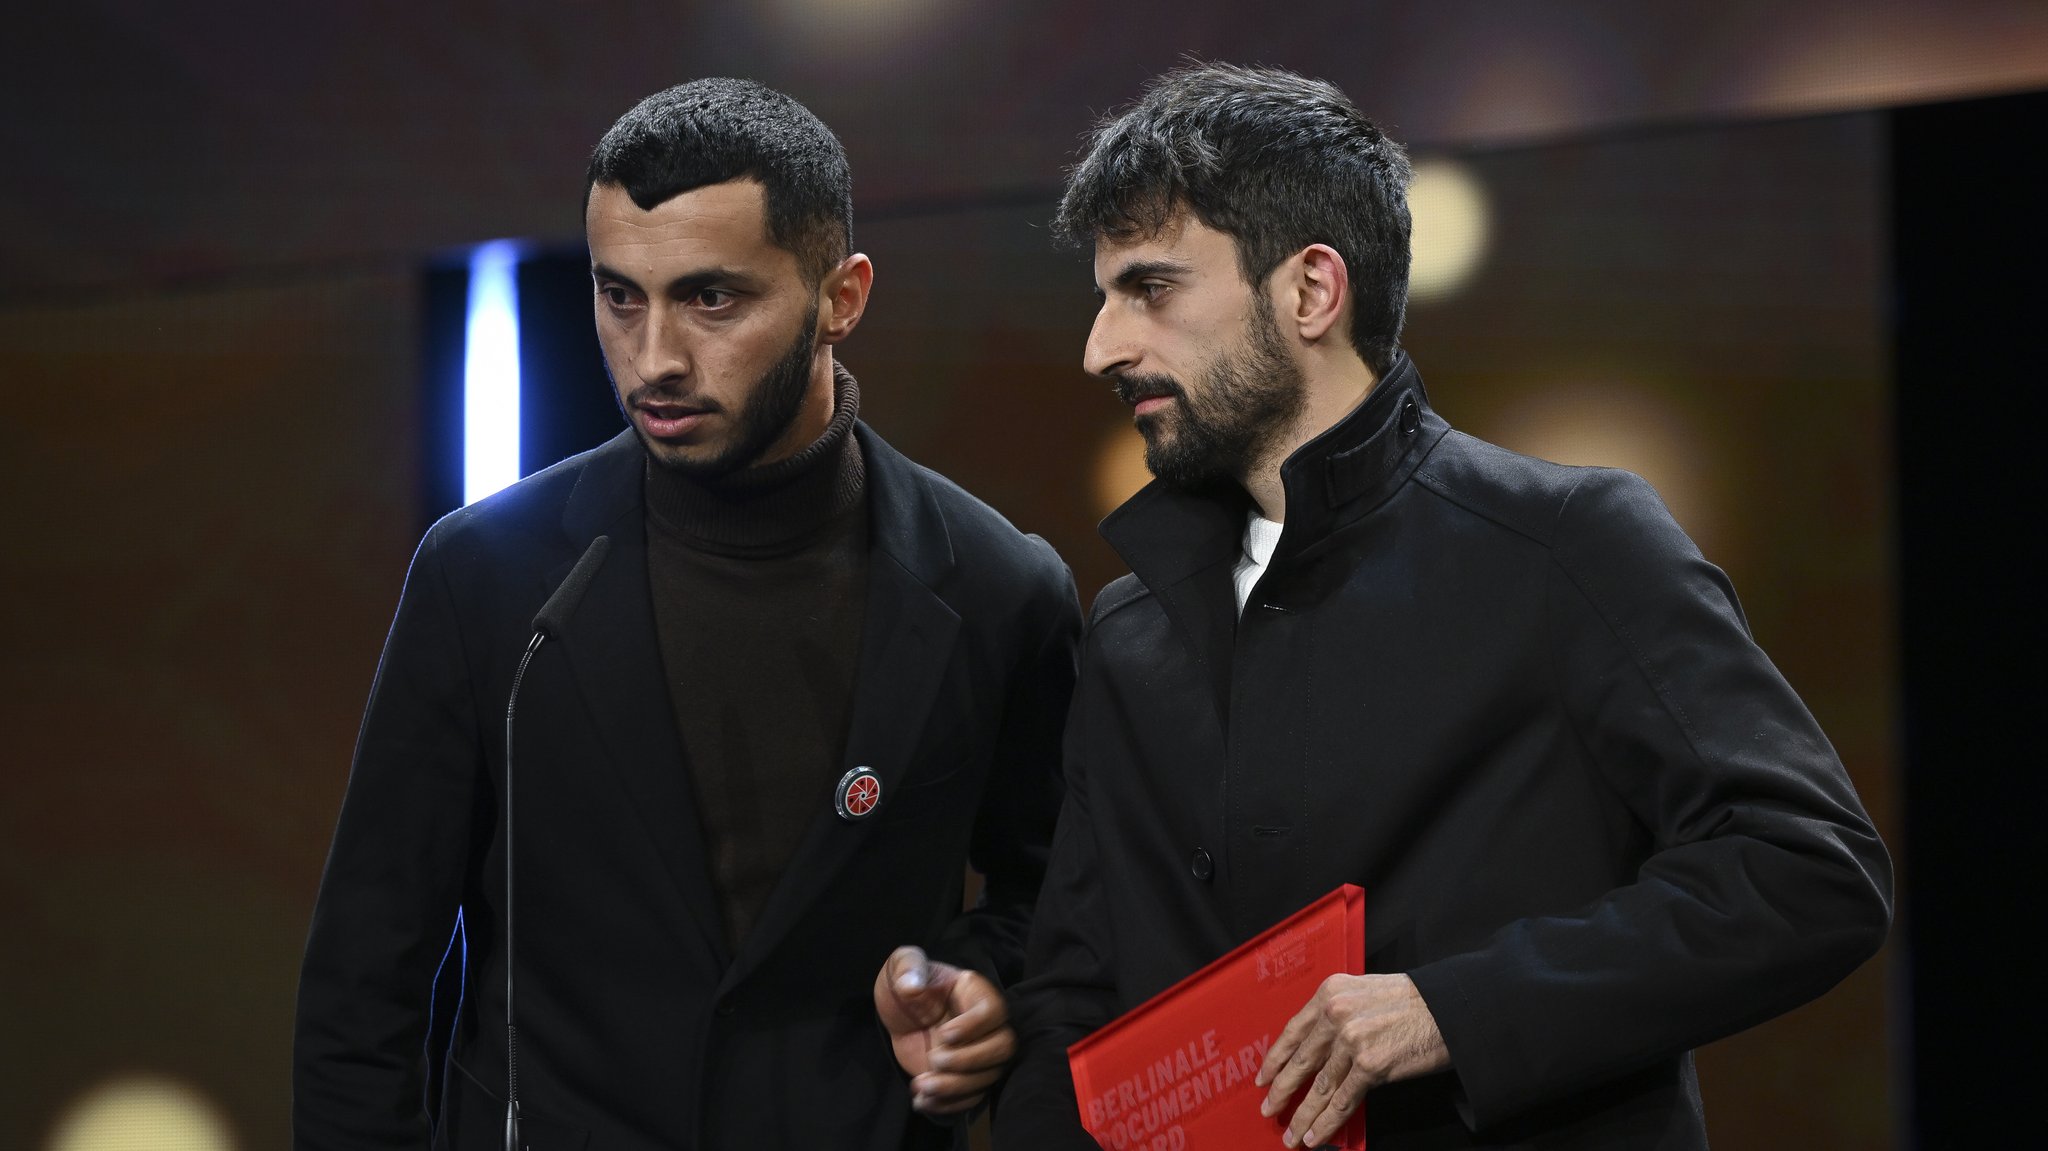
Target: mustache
column 670, row 396
column 1133, row 388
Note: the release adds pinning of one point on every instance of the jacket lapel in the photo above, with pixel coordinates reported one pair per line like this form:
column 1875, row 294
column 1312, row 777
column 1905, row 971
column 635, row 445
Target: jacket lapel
column 907, row 643
column 615, row 655
column 1183, row 547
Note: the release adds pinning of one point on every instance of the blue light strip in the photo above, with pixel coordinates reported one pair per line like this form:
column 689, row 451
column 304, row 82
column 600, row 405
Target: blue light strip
column 490, row 372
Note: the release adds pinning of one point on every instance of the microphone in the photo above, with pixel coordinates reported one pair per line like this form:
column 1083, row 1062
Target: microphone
column 553, row 613
column 547, row 623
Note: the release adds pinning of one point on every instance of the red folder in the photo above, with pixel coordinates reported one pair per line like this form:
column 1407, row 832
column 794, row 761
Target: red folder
column 1175, row 1073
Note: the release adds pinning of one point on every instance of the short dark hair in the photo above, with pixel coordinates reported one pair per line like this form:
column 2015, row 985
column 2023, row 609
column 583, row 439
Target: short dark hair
column 1276, row 160
column 715, row 130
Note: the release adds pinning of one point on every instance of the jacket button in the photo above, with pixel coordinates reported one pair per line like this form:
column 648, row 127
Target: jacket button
column 726, row 1006
column 1201, row 866
column 1411, row 418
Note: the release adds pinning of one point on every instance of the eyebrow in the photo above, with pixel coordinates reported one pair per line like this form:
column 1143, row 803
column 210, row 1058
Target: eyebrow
column 681, row 285
column 1138, row 270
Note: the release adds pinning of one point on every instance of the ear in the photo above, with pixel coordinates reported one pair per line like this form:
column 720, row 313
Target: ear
column 1317, row 296
column 843, row 296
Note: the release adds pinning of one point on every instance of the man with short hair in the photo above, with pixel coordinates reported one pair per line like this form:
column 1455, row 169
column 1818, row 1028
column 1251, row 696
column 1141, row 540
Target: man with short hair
column 1594, row 826
column 808, row 684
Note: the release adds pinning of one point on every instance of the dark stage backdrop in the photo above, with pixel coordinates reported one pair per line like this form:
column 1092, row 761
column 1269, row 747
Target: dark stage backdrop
column 218, row 492
column 228, row 234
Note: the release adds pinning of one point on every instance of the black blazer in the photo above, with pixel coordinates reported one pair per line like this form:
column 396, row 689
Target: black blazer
column 1510, row 700
column 636, row 1028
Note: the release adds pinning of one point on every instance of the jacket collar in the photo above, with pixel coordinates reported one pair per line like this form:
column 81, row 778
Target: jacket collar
column 1167, row 534
column 607, row 489
column 903, row 512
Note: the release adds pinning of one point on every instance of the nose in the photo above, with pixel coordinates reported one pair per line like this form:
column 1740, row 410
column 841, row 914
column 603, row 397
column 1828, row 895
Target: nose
column 1107, row 351
column 660, row 353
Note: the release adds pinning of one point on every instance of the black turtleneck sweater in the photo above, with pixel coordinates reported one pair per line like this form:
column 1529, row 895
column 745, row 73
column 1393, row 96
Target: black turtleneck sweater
column 760, row 582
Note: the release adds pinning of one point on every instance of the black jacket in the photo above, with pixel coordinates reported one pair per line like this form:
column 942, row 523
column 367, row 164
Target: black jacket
column 637, row 1030
column 1512, row 702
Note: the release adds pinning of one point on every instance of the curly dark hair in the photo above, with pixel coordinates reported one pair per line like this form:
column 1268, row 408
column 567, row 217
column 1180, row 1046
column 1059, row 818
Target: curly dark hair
column 1276, row 160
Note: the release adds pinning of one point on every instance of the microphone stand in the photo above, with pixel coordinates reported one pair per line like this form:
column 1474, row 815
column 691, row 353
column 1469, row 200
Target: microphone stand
column 548, row 622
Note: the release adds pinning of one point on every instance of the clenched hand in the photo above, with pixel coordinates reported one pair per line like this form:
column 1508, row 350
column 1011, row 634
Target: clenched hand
column 950, row 1028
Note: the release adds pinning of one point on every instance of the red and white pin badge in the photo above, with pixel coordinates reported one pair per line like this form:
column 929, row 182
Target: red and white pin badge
column 860, row 792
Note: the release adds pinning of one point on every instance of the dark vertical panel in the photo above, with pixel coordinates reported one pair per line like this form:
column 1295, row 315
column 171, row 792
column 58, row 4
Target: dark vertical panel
column 444, row 298
column 1969, row 235
column 565, row 400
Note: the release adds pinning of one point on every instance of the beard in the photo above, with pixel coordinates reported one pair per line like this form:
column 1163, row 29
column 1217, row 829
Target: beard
column 771, row 407
column 1246, row 400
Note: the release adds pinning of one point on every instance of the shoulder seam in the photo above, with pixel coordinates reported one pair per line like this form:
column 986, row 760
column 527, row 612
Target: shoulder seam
column 1105, row 604
column 1583, row 585
column 1443, row 490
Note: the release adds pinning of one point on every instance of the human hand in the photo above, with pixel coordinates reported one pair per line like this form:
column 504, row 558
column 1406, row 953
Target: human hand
column 950, row 1028
column 1358, row 1032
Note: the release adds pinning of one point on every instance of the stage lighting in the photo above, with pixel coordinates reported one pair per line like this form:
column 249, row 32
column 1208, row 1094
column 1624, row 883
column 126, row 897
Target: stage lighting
column 1452, row 223
column 490, row 372
column 142, row 1113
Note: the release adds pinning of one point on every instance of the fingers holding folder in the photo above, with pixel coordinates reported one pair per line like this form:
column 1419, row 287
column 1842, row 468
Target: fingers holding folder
column 1356, row 1033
